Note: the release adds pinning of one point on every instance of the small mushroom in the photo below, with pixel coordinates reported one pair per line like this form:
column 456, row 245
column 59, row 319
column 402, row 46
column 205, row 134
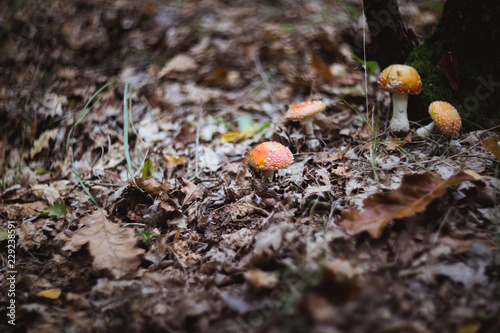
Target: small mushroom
column 269, row 157
column 400, row 80
column 445, row 117
column 304, row 113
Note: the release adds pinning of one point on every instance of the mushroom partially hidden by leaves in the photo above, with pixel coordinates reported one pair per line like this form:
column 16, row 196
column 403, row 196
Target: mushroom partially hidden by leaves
column 400, row 80
column 269, row 157
column 445, row 117
column 304, row 113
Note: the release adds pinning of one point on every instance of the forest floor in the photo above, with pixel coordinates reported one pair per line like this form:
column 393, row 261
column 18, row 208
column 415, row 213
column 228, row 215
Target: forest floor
column 367, row 233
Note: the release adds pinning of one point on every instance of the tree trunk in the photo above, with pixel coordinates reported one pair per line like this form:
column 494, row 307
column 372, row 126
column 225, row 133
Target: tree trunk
column 392, row 42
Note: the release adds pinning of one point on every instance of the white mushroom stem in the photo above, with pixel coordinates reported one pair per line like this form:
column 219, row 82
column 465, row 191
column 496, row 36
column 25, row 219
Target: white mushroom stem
column 399, row 121
column 308, row 124
column 425, row 131
column 310, row 137
column 267, row 174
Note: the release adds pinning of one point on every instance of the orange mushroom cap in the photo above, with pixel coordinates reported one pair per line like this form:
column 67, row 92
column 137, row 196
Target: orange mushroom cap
column 303, row 110
column 446, row 118
column 401, row 79
column 270, row 156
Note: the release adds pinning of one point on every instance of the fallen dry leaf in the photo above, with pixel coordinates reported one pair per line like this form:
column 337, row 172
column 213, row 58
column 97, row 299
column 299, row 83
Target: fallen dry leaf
column 243, row 207
column 492, row 144
column 328, row 157
column 191, row 191
column 321, row 68
column 463, row 245
column 50, row 293
column 461, row 272
column 45, row 192
column 321, row 311
column 393, row 144
column 412, row 196
column 449, row 65
column 149, row 185
column 469, row 326
column 173, row 161
column 112, row 246
column 239, row 136
column 342, row 171
column 43, row 141
column 268, row 243
column 179, row 63
column 260, row 280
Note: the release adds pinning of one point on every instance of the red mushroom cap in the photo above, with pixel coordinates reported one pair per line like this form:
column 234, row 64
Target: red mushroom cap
column 270, row 156
column 401, row 79
column 303, row 110
column 446, row 118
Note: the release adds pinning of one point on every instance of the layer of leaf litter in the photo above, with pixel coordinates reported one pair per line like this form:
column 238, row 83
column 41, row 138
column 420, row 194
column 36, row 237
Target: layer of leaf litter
column 200, row 243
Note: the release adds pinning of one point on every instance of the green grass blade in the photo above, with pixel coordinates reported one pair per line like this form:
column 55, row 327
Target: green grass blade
column 126, row 101
column 343, row 102
column 80, row 180
column 373, row 152
column 82, row 115
column 86, row 110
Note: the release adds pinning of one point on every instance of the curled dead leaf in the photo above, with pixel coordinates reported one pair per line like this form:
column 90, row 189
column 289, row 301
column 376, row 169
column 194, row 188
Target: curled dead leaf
column 173, row 161
column 449, row 65
column 191, row 191
column 149, row 185
column 342, row 171
column 413, row 195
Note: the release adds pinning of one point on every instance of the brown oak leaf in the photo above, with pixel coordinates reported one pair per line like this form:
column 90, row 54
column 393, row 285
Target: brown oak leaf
column 413, row 195
column 112, row 246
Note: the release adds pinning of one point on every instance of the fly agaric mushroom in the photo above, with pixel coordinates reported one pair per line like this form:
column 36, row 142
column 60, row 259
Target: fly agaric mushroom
column 445, row 117
column 268, row 157
column 400, row 80
column 304, row 113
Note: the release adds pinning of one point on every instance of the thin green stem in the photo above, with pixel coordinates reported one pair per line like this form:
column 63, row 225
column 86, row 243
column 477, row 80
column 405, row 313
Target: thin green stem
column 127, row 103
